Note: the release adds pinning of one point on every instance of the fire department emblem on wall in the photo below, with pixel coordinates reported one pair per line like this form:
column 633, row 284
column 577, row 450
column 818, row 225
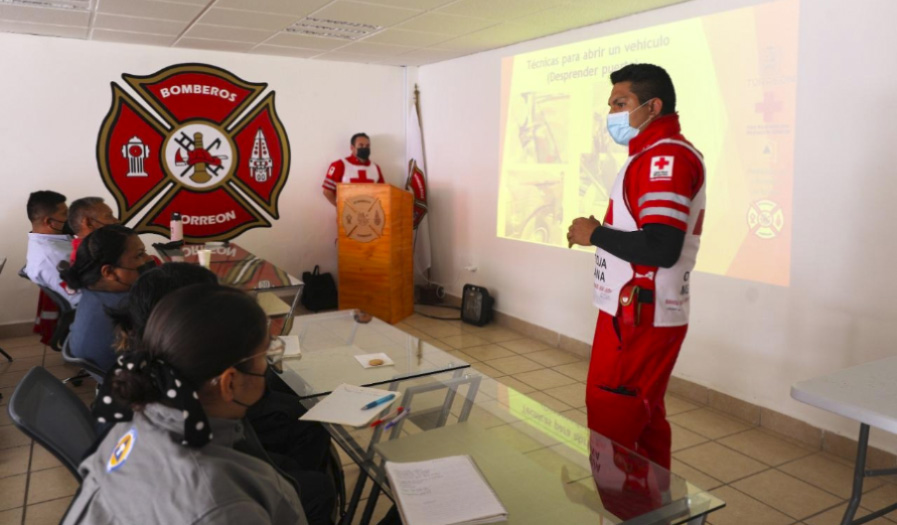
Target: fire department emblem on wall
column 197, row 141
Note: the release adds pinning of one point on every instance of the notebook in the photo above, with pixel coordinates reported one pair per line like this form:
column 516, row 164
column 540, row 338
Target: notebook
column 344, row 406
column 444, row 491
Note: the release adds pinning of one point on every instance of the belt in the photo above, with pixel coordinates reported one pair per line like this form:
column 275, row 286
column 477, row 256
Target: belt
column 645, row 296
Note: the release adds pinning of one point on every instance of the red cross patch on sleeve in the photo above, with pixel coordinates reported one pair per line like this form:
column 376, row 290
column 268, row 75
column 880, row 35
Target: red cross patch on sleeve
column 661, row 167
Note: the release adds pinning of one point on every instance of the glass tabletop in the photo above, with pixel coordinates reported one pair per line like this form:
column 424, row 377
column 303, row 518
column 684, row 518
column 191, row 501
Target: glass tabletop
column 234, row 266
column 329, row 343
column 543, row 466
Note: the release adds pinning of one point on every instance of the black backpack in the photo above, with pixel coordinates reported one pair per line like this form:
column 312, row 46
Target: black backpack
column 319, row 292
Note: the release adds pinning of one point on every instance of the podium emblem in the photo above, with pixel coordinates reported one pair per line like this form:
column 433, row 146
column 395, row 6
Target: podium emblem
column 363, row 218
column 197, row 140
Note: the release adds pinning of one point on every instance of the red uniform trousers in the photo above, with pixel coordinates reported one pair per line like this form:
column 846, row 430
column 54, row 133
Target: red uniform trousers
column 628, row 376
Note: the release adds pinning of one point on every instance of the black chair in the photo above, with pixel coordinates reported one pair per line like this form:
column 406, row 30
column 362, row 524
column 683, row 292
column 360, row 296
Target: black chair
column 51, row 414
column 2, row 351
column 88, row 368
column 66, row 314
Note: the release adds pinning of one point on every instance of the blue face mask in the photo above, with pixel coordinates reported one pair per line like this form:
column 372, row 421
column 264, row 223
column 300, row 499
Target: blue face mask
column 618, row 126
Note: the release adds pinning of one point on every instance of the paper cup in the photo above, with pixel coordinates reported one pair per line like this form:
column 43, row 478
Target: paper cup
column 205, row 257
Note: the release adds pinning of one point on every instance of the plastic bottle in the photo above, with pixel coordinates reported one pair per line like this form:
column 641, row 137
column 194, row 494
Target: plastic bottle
column 177, row 227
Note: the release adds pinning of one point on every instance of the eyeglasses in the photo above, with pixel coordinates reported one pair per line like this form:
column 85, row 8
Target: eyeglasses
column 273, row 357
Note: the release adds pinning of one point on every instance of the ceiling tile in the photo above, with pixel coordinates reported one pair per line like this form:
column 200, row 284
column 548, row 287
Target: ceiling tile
column 150, row 9
column 365, row 13
column 44, row 15
column 286, row 7
column 193, row 2
column 435, row 55
column 43, row 29
column 127, row 37
column 405, row 61
column 337, row 56
column 305, row 41
column 138, row 25
column 234, row 34
column 214, row 45
column 412, row 4
column 370, row 48
column 265, row 49
column 408, row 38
column 497, row 9
column 493, row 37
column 449, row 24
column 246, row 19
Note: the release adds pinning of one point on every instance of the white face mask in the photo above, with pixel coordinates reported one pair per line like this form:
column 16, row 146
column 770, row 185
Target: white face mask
column 618, row 126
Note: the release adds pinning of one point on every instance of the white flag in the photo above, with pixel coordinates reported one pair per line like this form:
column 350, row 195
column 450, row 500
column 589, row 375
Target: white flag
column 416, row 183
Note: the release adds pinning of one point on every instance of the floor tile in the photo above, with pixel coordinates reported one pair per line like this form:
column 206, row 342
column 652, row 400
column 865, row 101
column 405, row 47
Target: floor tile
column 8, row 379
column 50, row 484
column 828, row 473
column 684, row 438
column 880, row 498
column 514, row 365
column 742, row 509
column 462, row 355
column 694, row 476
column 10, row 436
column 573, row 394
column 12, row 516
column 441, row 329
column 20, row 363
column 516, row 384
column 544, row 379
column 720, row 462
column 442, row 345
column 549, row 402
column 483, row 368
column 554, row 357
column 12, row 491
column 765, row 446
column 499, row 335
column 488, row 352
column 12, row 343
column 787, row 494
column 53, row 359
column 709, row 423
column 676, row 405
column 382, row 507
column 834, row 515
column 14, row 460
column 524, row 346
column 464, row 341
column 47, row 513
column 578, row 370
column 577, row 417
column 42, row 459
column 4, row 418
column 30, row 350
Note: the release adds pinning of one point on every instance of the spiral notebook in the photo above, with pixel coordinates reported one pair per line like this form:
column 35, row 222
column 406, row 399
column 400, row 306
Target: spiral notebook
column 444, row 491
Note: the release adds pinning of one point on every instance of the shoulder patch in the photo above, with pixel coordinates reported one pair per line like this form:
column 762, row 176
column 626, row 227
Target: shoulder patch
column 122, row 450
column 661, row 167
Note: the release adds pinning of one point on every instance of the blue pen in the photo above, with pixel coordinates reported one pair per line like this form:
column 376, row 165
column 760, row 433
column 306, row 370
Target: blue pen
column 396, row 419
column 384, row 399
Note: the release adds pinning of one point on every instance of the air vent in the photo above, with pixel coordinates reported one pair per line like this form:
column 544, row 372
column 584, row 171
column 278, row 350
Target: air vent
column 332, row 28
column 75, row 5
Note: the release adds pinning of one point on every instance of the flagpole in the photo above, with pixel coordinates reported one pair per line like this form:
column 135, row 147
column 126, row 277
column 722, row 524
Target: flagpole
column 423, row 151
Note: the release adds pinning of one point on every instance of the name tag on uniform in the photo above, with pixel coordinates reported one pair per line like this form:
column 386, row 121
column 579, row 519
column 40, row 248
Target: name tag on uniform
column 122, row 450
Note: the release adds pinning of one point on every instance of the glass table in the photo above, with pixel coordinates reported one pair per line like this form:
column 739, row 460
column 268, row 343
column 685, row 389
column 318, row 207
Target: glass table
column 330, row 341
column 237, row 267
column 544, row 467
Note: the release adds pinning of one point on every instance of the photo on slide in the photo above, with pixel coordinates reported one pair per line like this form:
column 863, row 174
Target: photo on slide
column 534, row 207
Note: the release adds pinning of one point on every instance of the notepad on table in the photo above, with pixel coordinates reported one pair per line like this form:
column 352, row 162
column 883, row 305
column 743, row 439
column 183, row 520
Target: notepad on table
column 291, row 346
column 345, row 406
column 444, row 491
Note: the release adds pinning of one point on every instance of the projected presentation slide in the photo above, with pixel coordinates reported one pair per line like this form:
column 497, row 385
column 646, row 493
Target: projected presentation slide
column 735, row 74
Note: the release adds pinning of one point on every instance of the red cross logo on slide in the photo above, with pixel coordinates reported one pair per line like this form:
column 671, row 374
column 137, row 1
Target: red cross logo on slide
column 662, row 163
column 362, row 177
column 769, row 106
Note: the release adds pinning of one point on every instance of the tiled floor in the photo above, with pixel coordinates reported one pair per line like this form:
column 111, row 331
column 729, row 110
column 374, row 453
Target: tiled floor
column 764, row 478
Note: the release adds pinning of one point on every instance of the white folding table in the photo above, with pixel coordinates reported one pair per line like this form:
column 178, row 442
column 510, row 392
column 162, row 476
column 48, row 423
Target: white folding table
column 866, row 393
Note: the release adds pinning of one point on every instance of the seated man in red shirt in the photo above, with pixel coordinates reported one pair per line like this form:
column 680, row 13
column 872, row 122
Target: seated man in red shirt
column 86, row 215
column 356, row 168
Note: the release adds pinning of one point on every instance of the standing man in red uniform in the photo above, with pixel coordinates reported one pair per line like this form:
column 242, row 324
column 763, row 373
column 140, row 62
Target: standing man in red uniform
column 356, row 168
column 646, row 250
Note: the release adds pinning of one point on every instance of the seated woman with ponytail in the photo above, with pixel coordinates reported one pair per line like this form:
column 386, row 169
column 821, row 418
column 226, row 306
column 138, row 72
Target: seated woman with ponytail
column 177, row 452
column 109, row 260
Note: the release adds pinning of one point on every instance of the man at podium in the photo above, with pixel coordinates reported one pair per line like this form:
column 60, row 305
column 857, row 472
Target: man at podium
column 356, row 168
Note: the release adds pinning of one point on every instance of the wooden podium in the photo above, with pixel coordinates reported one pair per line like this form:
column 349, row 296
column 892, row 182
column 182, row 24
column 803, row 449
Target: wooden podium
column 376, row 239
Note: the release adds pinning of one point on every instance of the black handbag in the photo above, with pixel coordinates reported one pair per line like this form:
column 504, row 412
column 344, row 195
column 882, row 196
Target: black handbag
column 319, row 292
